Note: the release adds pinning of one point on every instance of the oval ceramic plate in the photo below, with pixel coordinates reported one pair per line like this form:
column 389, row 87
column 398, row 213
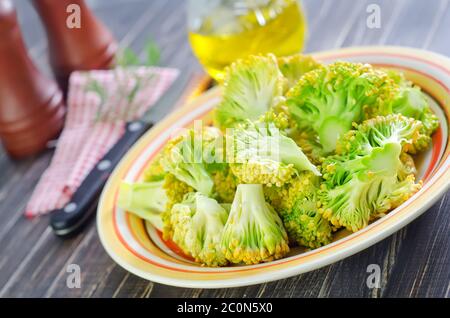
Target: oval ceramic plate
column 138, row 247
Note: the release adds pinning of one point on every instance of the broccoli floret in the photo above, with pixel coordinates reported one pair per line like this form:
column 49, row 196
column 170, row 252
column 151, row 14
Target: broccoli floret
column 193, row 161
column 283, row 198
column 363, row 190
column 155, row 170
column 251, row 87
column 175, row 191
column 305, row 225
column 408, row 166
column 377, row 131
column 147, row 200
column 296, row 202
column 295, row 66
column 260, row 153
column 183, row 157
column 279, row 117
column 254, row 232
column 308, row 141
column 369, row 175
column 330, row 98
column 198, row 224
column 266, row 172
column 213, row 148
column 225, row 184
column 412, row 102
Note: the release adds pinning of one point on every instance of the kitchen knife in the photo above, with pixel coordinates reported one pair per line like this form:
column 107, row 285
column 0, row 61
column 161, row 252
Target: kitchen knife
column 73, row 216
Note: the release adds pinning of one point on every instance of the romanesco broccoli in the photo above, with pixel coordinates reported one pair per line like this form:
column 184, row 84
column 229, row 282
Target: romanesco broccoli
column 175, row 191
column 260, row 153
column 147, row 200
column 155, row 170
column 329, row 99
column 251, row 87
column 368, row 177
column 225, row 184
column 198, row 224
column 377, row 131
column 254, row 232
column 295, row 66
column 308, row 141
column 412, row 102
column 305, row 225
column 279, row 117
column 184, row 157
column 296, row 202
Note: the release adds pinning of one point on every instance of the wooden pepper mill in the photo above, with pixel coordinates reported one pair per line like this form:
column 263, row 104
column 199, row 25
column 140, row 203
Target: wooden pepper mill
column 77, row 39
column 31, row 105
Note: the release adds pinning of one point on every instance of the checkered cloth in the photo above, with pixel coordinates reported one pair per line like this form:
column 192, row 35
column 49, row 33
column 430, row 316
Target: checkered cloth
column 98, row 106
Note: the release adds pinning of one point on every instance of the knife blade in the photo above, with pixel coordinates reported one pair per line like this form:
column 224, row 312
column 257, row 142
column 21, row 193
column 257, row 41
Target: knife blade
column 70, row 219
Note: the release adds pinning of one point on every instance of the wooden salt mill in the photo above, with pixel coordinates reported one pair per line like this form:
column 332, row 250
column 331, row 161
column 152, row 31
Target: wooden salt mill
column 77, row 39
column 31, row 105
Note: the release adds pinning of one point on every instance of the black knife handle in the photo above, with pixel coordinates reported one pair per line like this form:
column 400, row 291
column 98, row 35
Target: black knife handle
column 71, row 218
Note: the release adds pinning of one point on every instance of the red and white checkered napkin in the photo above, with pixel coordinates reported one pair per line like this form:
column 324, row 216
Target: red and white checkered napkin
column 98, row 106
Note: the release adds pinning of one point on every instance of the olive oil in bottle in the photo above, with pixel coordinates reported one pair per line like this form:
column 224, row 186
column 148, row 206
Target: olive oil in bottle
column 236, row 29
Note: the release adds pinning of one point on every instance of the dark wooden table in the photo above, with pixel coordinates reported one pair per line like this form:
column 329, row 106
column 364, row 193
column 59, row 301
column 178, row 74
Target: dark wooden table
column 415, row 261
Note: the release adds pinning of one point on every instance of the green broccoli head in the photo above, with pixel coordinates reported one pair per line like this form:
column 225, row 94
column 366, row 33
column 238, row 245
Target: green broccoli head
column 380, row 130
column 184, row 157
column 147, row 200
column 330, row 98
column 306, row 226
column 225, row 184
column 260, row 153
column 175, row 191
column 279, row 117
column 412, row 102
column 309, row 142
column 295, row 66
column 296, row 202
column 363, row 185
column 155, row 170
column 213, row 148
column 251, row 87
column 408, row 166
column 254, row 232
column 198, row 224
